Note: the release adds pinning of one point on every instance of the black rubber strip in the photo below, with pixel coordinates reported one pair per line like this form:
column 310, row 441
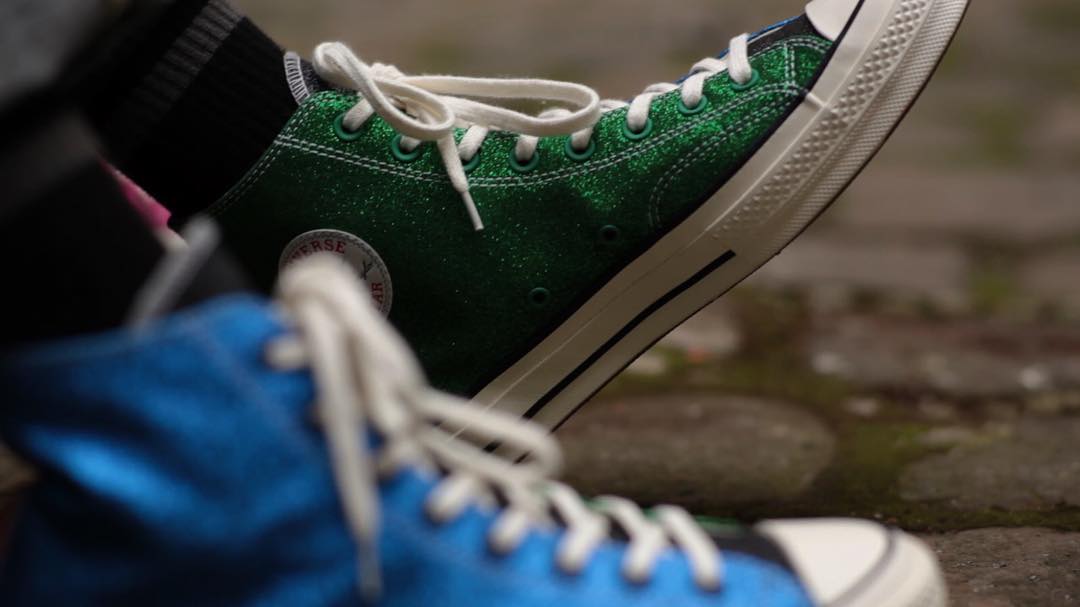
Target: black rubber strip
column 640, row 318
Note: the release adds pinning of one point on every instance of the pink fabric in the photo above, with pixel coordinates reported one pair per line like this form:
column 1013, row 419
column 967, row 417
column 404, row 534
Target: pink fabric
column 151, row 210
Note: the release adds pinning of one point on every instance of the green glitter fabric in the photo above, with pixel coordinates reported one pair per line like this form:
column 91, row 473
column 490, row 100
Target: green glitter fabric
column 472, row 303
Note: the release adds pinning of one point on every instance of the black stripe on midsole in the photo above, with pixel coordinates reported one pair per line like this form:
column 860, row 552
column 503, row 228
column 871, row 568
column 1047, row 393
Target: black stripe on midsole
column 633, row 324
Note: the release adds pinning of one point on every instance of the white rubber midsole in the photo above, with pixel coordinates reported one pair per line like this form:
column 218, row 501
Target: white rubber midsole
column 910, row 578
column 878, row 69
column 855, row 563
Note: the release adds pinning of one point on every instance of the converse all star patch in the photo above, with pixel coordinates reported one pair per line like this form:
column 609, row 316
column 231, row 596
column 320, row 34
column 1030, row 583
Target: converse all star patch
column 359, row 255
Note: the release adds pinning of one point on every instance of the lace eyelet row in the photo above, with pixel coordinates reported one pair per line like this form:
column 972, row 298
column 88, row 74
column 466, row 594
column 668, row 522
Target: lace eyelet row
column 571, row 152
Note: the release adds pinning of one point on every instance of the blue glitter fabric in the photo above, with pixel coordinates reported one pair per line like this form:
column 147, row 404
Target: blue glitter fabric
column 177, row 468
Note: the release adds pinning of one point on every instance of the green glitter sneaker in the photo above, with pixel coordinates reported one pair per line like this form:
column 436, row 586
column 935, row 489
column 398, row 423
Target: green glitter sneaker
column 528, row 259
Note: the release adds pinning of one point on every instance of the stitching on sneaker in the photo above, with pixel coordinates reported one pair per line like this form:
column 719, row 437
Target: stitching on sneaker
column 704, row 150
column 288, row 140
column 699, row 153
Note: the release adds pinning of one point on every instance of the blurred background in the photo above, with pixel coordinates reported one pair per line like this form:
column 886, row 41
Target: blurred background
column 915, row 357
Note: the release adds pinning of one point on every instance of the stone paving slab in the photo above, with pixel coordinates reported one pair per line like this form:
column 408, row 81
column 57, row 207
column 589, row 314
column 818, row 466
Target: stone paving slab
column 1053, row 277
column 712, row 333
column 826, row 261
column 1029, row 567
column 1017, row 207
column 955, row 358
column 934, row 423
column 1031, row 464
column 695, row 449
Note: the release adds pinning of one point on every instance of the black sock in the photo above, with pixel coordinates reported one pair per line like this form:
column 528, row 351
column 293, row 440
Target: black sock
column 76, row 251
column 187, row 103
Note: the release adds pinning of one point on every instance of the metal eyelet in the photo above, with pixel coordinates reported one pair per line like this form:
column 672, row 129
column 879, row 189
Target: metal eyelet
column 343, row 133
column 583, row 155
column 539, row 297
column 755, row 78
column 472, row 162
column 524, row 167
column 609, row 233
column 639, row 135
column 402, row 155
column 693, row 111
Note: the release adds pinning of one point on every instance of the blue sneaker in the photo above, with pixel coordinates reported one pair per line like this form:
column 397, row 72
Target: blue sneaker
column 247, row 453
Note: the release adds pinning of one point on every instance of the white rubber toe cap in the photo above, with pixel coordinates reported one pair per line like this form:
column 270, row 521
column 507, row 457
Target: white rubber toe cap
column 830, row 17
column 852, row 563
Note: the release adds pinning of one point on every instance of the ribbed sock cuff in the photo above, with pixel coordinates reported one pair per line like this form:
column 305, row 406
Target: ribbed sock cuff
column 187, row 124
column 141, row 99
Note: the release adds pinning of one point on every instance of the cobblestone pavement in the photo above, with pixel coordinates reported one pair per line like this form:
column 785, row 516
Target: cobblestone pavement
column 914, row 358
column 1027, row 567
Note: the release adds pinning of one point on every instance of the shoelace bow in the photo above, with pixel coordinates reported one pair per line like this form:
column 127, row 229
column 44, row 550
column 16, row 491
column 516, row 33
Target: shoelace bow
column 430, row 108
column 368, row 382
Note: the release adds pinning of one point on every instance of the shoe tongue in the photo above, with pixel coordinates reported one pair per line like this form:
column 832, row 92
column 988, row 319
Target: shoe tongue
column 303, row 81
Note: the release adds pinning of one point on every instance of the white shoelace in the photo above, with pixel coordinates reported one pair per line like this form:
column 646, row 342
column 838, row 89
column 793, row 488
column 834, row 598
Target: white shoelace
column 368, row 381
column 429, row 108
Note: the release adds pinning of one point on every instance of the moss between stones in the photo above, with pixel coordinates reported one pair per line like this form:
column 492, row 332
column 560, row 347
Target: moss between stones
column 870, row 454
